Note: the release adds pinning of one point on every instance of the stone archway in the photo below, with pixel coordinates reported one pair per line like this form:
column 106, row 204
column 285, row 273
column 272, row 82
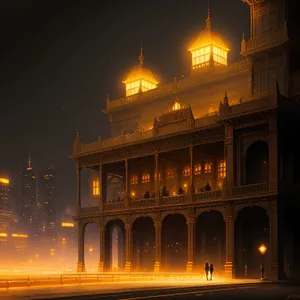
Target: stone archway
column 174, row 243
column 210, row 240
column 91, row 246
column 143, row 244
column 257, row 163
column 115, row 238
column 251, row 230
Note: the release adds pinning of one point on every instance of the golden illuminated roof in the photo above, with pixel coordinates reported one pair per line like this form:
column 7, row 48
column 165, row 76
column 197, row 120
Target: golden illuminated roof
column 140, row 72
column 207, row 36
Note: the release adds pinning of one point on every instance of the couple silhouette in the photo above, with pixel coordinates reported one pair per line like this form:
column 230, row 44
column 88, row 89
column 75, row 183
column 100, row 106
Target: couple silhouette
column 209, row 270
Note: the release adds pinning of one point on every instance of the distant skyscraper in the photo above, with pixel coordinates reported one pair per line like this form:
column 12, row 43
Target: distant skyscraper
column 49, row 198
column 28, row 213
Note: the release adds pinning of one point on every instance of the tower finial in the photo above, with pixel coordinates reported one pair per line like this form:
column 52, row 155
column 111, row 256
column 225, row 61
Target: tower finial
column 208, row 20
column 141, row 57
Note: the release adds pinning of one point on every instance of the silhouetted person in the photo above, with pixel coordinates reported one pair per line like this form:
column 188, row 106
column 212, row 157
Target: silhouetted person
column 180, row 191
column 147, row 195
column 206, row 269
column 207, row 187
column 211, row 270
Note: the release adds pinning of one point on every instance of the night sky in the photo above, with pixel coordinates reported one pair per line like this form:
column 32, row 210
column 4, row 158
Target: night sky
column 59, row 60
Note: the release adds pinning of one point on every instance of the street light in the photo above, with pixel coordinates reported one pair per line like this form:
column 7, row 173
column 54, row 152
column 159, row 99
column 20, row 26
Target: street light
column 262, row 249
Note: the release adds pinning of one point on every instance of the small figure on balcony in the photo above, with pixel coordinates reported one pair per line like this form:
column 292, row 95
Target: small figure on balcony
column 207, row 187
column 147, row 195
column 164, row 192
column 180, row 191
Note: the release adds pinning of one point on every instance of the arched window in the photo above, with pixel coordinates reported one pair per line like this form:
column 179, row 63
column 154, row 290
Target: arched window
column 222, row 169
column 207, row 167
column 176, row 106
column 159, row 176
column 170, row 173
column 96, row 187
column 186, row 171
column 146, row 177
column 134, row 179
column 197, row 169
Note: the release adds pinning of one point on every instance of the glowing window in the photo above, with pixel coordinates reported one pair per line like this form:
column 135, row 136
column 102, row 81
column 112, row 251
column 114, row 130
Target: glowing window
column 207, row 167
column 176, row 106
column 132, row 87
column 219, row 56
column 201, row 57
column 159, row 176
column 197, row 169
column 146, row 177
column 134, row 179
column 222, row 169
column 146, row 86
column 186, row 171
column 96, row 187
column 170, row 173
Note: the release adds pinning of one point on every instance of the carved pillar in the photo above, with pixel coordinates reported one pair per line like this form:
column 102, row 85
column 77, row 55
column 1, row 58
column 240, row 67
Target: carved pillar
column 157, row 263
column 273, row 235
column 192, row 185
column 228, row 156
column 157, row 193
column 273, row 148
column 191, row 244
column 128, row 264
column 229, row 264
column 78, row 179
column 80, row 262
column 102, row 248
column 250, row 75
column 101, row 196
column 127, row 192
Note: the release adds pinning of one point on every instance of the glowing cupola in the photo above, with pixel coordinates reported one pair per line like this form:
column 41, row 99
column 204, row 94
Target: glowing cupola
column 140, row 79
column 208, row 49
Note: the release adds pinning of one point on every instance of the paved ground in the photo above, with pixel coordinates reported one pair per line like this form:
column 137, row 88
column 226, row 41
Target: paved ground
column 119, row 290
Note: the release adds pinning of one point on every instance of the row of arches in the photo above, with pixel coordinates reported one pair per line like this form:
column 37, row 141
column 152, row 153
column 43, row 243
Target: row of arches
column 251, row 229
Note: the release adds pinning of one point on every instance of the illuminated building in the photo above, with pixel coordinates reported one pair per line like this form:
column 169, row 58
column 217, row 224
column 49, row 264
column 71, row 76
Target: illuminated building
column 49, row 204
column 215, row 171
column 5, row 210
column 20, row 242
column 29, row 213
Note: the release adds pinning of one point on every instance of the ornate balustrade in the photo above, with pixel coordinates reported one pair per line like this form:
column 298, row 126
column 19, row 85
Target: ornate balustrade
column 172, row 200
column 113, row 206
column 245, row 190
column 142, row 203
column 211, row 195
column 263, row 42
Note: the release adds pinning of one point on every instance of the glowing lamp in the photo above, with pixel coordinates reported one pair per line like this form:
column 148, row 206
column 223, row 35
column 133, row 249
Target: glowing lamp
column 185, row 185
column 4, row 180
column 133, row 194
column 262, row 249
column 66, row 224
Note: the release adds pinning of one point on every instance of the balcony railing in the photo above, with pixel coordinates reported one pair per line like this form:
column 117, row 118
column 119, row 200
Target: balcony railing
column 268, row 40
column 245, row 190
column 238, row 191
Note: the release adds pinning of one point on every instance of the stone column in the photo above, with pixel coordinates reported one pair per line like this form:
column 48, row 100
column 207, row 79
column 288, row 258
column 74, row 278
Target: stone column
column 191, row 244
column 157, row 262
column 127, row 192
column 80, row 262
column 273, row 155
column 273, row 235
column 101, row 187
column 192, row 184
column 229, row 264
column 78, row 179
column 228, row 156
column 102, row 248
column 157, row 191
column 128, row 264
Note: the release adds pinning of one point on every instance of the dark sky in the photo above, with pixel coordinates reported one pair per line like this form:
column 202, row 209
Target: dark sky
column 59, row 60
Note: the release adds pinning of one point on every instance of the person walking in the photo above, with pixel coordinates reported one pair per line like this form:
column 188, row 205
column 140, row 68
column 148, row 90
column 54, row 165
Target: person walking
column 211, row 270
column 206, row 269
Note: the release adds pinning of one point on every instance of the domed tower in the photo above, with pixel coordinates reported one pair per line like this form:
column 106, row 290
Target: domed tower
column 208, row 49
column 140, row 79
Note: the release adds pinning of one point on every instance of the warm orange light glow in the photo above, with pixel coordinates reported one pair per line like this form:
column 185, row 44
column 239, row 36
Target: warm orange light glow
column 176, row 106
column 91, row 249
column 51, row 252
column 4, row 180
column 19, row 235
column 222, row 169
column 133, row 194
column 96, row 187
column 134, row 179
column 186, row 171
column 146, row 177
column 185, row 185
column 262, row 249
column 67, row 224
column 3, row 234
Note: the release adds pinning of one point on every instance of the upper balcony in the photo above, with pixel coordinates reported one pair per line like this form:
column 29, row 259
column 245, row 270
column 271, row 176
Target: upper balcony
column 237, row 192
column 264, row 42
